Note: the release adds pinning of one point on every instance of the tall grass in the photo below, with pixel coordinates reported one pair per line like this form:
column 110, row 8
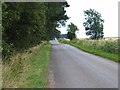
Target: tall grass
column 109, row 46
column 105, row 48
column 28, row 69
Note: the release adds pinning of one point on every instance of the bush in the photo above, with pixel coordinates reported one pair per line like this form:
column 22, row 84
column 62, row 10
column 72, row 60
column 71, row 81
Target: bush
column 6, row 51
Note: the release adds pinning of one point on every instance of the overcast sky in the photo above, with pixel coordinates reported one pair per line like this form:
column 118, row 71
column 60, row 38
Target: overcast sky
column 107, row 8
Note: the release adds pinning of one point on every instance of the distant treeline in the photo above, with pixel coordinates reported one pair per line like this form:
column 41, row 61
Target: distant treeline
column 26, row 24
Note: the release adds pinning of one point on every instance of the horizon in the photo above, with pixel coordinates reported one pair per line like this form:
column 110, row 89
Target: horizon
column 109, row 13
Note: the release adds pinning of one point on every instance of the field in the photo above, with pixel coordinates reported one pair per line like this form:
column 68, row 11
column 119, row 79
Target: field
column 107, row 48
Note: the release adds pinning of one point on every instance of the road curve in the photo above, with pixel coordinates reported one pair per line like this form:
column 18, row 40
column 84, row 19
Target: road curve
column 73, row 68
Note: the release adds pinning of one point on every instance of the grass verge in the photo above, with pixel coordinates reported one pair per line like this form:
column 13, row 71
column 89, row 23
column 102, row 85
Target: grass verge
column 113, row 57
column 28, row 69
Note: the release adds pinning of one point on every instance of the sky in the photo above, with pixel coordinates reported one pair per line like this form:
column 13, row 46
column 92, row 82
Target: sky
column 107, row 8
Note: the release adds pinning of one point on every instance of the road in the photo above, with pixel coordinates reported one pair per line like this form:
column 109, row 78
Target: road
column 73, row 68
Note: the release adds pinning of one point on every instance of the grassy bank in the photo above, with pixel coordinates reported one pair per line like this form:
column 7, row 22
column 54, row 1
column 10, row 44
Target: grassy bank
column 28, row 69
column 106, row 49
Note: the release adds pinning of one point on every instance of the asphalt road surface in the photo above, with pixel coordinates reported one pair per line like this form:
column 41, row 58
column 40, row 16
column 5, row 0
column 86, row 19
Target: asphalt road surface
column 73, row 68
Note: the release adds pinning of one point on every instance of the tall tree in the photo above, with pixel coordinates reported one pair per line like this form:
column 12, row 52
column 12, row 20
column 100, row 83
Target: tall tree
column 93, row 24
column 72, row 28
column 55, row 16
column 26, row 24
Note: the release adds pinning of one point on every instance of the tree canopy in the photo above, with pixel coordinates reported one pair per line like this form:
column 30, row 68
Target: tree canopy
column 72, row 28
column 93, row 24
column 26, row 24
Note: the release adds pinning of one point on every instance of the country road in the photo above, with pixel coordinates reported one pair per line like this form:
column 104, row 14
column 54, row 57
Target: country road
column 73, row 68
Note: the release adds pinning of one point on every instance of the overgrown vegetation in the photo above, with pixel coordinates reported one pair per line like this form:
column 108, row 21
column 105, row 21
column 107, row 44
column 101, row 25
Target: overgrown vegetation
column 105, row 48
column 28, row 69
column 26, row 24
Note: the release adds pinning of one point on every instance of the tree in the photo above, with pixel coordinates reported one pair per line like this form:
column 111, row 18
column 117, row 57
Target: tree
column 26, row 24
column 93, row 24
column 55, row 16
column 72, row 28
